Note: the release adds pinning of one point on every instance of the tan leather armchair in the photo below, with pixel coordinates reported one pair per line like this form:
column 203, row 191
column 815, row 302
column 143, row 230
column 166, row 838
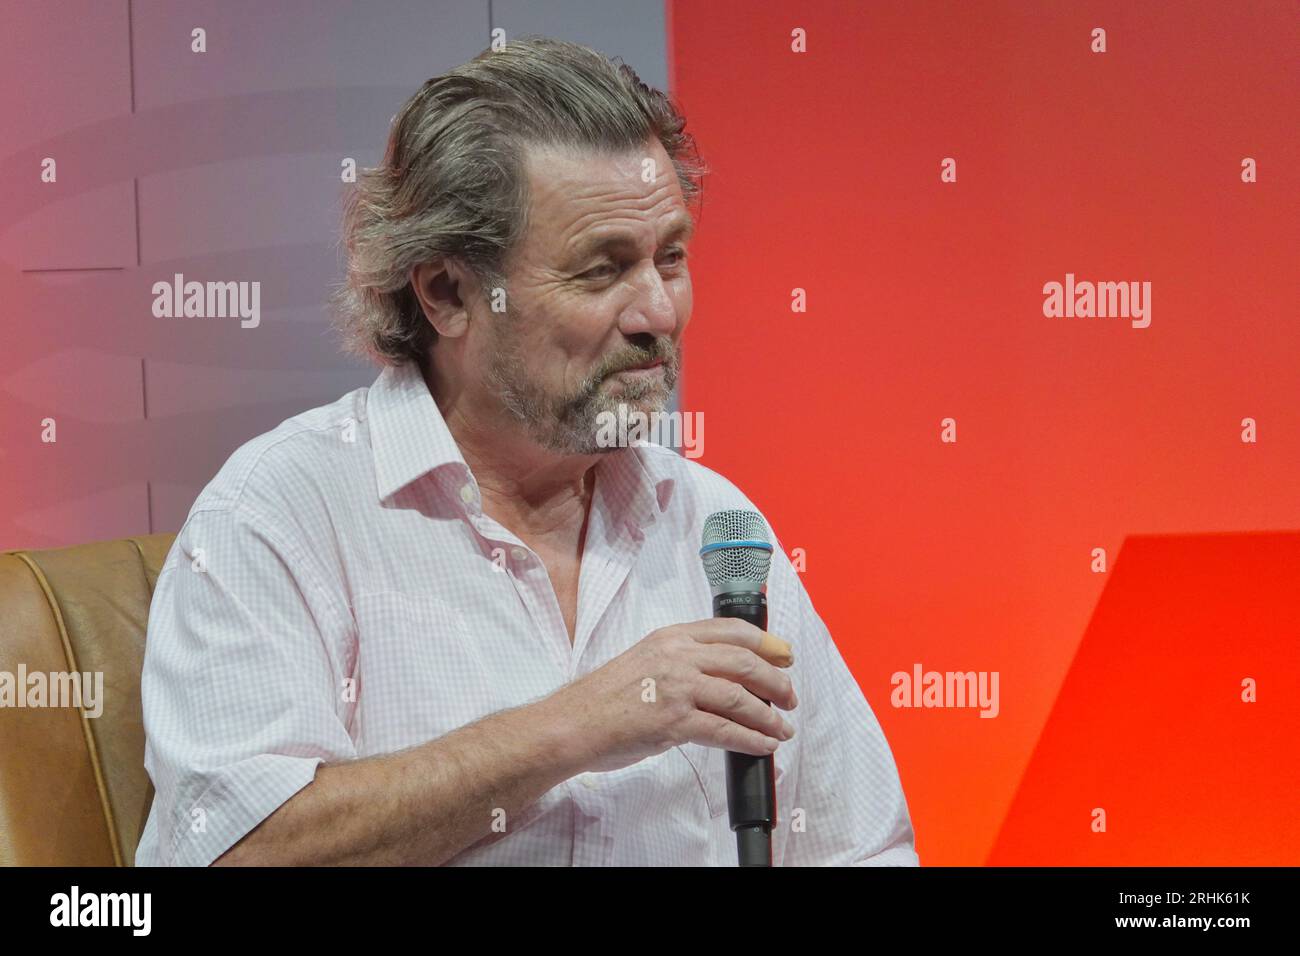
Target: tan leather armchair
column 73, row 789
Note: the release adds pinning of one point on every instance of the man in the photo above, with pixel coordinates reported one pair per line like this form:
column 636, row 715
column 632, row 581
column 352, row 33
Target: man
column 437, row 621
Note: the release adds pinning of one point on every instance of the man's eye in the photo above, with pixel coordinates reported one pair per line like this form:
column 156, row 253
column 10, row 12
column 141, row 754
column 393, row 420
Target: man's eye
column 675, row 256
column 596, row 273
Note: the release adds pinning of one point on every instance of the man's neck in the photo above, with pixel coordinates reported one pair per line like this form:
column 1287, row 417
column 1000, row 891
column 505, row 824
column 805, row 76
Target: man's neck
column 535, row 492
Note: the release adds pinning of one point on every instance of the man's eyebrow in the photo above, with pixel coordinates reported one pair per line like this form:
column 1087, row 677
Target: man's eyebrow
column 682, row 229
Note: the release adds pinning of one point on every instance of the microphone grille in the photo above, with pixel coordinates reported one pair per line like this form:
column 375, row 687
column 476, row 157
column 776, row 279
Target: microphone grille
column 736, row 550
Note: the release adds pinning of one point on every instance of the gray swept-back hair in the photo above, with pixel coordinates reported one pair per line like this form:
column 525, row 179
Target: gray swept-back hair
column 452, row 182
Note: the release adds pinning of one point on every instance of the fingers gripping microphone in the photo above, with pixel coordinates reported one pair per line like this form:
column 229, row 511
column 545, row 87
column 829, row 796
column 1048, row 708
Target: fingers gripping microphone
column 737, row 556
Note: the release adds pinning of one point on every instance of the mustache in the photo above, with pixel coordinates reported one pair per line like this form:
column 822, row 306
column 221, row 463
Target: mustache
column 662, row 350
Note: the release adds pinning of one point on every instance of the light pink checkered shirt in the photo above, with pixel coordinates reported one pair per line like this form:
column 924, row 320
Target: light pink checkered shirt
column 348, row 547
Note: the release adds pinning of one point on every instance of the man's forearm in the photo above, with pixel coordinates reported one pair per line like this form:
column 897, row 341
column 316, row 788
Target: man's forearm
column 420, row 806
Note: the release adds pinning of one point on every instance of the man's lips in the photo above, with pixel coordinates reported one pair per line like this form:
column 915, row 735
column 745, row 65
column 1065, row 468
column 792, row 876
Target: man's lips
column 647, row 366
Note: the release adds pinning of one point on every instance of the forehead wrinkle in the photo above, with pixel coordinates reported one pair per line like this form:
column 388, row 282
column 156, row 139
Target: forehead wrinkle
column 632, row 200
column 619, row 201
column 566, row 181
column 589, row 224
column 682, row 226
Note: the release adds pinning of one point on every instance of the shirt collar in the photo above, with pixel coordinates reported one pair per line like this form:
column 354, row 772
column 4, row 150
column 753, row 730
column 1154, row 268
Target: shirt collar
column 636, row 484
column 408, row 435
column 409, row 439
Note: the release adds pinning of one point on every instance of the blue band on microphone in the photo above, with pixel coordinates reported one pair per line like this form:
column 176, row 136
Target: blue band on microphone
column 719, row 545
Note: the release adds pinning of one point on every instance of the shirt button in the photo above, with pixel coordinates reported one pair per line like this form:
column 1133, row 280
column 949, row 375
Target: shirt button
column 519, row 554
column 589, row 781
column 467, row 493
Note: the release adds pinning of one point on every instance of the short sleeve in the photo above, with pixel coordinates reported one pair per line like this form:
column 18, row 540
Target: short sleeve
column 244, row 687
column 854, row 812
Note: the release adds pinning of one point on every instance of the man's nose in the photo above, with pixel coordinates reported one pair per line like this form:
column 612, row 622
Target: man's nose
column 653, row 310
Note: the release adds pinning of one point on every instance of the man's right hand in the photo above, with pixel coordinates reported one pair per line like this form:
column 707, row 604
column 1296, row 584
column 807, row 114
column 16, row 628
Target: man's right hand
column 687, row 683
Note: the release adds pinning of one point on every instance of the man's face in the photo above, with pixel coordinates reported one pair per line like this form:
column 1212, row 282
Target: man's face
column 597, row 286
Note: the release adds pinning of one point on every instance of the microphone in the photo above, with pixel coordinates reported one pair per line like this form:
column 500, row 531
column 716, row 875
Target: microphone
column 737, row 556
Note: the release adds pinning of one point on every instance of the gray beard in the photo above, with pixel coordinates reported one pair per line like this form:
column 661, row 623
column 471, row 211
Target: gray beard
column 569, row 424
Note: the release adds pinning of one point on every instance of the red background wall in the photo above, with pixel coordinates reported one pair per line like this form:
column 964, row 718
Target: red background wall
column 1119, row 690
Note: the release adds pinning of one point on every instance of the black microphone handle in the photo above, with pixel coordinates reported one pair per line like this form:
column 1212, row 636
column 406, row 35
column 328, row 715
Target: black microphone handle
column 751, row 781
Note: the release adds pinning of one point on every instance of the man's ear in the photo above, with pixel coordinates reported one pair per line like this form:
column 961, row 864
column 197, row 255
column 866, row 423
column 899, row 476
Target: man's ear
column 442, row 287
